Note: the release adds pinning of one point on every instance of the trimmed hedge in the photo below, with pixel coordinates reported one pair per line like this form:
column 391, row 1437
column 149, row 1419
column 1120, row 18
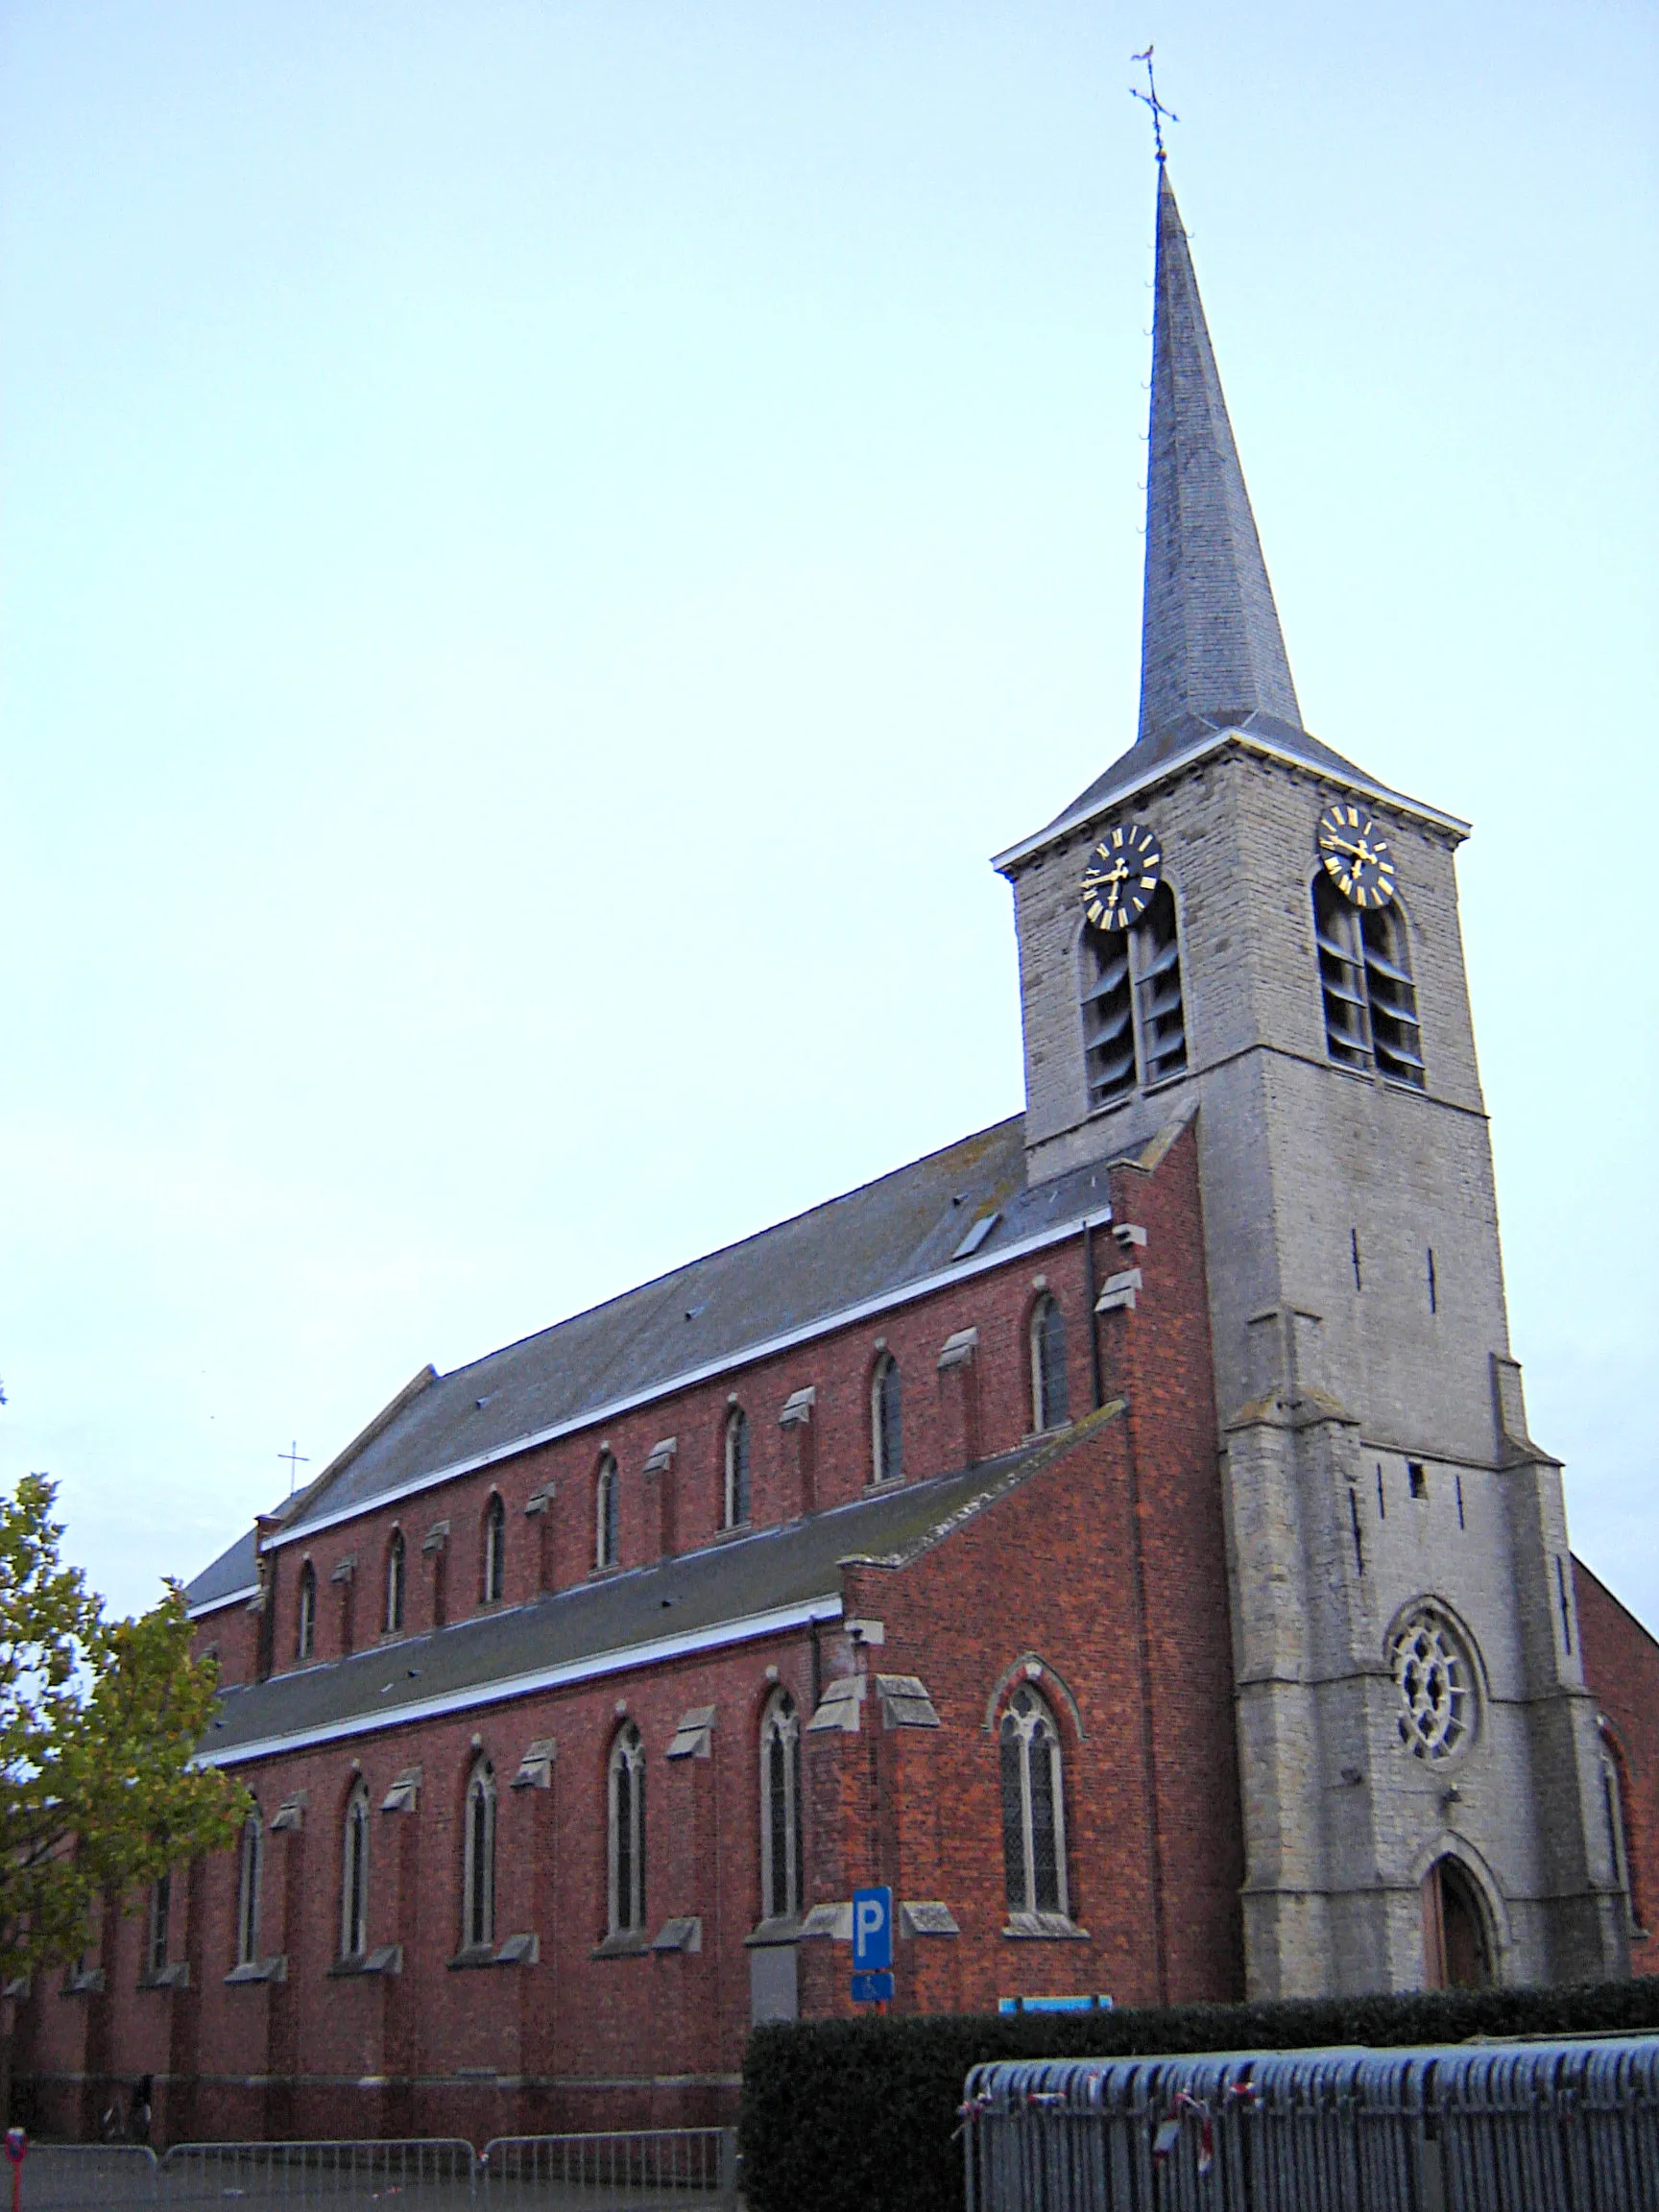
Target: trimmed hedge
column 860, row 2115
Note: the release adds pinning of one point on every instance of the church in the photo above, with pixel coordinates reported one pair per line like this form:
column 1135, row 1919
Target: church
column 1118, row 1532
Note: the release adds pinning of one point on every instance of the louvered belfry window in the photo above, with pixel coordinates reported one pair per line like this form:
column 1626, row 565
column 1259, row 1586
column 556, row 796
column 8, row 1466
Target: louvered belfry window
column 1365, row 981
column 1134, row 1022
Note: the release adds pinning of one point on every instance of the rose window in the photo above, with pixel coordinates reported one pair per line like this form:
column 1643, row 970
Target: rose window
column 1435, row 1681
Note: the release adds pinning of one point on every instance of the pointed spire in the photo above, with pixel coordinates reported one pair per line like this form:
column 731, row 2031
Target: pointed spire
column 1210, row 640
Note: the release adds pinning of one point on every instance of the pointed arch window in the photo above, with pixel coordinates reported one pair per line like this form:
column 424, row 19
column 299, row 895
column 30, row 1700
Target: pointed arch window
column 354, row 1875
column 780, row 1808
column 886, row 1421
column 396, row 1581
column 251, row 1867
column 1134, row 1018
column 495, row 1549
column 736, row 1500
column 306, row 1639
column 478, row 1859
column 605, row 1513
column 1050, row 1394
column 159, row 1925
column 1615, row 1799
column 1366, row 982
column 1033, row 1808
column 627, row 1824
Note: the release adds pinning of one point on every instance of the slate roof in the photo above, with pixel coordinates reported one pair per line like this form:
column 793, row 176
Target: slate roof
column 616, row 1618
column 866, row 1244
column 236, row 1568
column 1212, row 656
column 1209, row 635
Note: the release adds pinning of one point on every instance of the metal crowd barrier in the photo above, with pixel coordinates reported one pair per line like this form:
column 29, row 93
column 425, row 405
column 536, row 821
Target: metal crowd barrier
column 648, row 2170
column 1569, row 2127
column 87, row 2177
column 427, row 2175
column 652, row 2167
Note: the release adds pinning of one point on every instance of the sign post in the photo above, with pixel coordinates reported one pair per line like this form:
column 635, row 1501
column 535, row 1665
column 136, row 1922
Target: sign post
column 17, row 2149
column 872, row 1946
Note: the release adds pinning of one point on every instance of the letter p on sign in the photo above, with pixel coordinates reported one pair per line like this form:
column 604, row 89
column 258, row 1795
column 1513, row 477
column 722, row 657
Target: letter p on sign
column 873, row 1928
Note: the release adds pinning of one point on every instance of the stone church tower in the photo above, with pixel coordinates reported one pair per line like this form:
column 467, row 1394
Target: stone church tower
column 1269, row 940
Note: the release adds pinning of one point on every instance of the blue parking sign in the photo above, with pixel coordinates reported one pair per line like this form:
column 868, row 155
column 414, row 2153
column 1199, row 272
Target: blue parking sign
column 872, row 1929
column 871, row 1988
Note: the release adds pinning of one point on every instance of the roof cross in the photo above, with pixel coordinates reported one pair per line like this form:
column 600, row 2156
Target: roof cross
column 1149, row 99
column 296, row 1458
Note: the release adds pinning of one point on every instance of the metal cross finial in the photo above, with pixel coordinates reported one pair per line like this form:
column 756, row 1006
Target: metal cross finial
column 1149, row 99
column 295, row 1459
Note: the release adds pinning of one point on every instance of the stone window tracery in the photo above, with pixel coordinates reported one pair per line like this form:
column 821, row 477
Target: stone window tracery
column 306, row 1636
column 780, row 1808
column 736, row 1491
column 886, row 1421
column 1033, row 1808
column 495, row 1549
column 1050, row 1396
column 249, row 1868
column 627, row 1822
column 160, row 1918
column 1435, row 1680
column 478, row 1869
column 605, row 1514
column 397, row 1578
column 354, row 1875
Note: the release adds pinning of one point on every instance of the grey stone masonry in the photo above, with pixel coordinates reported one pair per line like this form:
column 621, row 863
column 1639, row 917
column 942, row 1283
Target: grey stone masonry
column 1373, row 1460
column 1408, row 1684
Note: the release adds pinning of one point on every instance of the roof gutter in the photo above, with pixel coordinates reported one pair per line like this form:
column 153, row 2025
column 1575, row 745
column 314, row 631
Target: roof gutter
column 1252, row 741
column 614, row 1408
column 742, row 1630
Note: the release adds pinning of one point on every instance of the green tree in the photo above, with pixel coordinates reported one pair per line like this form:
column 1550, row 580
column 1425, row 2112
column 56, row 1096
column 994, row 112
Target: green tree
column 99, row 1721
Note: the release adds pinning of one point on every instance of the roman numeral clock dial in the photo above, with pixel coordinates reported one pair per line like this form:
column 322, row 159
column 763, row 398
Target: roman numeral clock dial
column 1122, row 875
column 1356, row 855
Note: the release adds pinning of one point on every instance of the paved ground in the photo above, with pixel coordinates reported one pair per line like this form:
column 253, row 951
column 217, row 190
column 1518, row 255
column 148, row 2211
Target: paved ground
column 71, row 2179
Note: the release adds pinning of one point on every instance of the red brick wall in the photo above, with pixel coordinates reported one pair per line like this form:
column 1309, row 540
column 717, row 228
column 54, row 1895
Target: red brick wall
column 1622, row 1669
column 557, row 1550
column 1103, row 1568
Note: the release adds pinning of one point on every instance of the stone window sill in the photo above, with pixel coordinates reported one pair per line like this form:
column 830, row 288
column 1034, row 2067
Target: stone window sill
column 1044, row 1928
column 255, row 1970
column 472, row 1954
column 629, row 1943
column 172, row 1977
column 387, row 1959
column 87, row 1985
column 786, row 1928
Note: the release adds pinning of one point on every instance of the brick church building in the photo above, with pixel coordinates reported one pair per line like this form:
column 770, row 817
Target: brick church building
column 1119, row 1531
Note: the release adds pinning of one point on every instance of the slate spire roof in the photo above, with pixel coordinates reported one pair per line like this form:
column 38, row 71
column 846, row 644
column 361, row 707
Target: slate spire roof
column 1213, row 667
column 1210, row 640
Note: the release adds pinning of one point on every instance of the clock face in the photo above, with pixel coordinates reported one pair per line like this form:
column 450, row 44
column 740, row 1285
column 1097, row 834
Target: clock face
column 1122, row 875
column 1356, row 854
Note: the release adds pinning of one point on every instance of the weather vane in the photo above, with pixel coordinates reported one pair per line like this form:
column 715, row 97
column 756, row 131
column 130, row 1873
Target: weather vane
column 295, row 1459
column 1149, row 99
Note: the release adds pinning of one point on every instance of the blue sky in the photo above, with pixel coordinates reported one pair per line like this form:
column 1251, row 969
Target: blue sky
column 542, row 546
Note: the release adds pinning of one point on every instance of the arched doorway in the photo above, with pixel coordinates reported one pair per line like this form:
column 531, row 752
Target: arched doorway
column 1457, row 1944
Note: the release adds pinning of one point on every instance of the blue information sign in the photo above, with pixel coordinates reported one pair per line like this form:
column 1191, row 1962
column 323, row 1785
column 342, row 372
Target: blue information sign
column 871, row 1987
column 872, row 1928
